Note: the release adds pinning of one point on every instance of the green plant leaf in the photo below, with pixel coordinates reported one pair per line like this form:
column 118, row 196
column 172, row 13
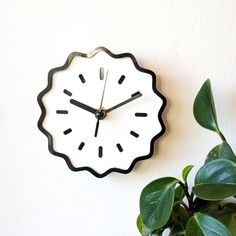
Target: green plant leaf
column 203, row 205
column 156, row 233
column 179, row 193
column 139, row 224
column 214, row 192
column 216, row 180
column 186, row 171
column 177, row 230
column 204, row 108
column 156, row 202
column 142, row 228
column 209, row 207
column 180, row 215
column 217, row 171
column 229, row 220
column 222, row 151
column 228, row 217
column 204, row 225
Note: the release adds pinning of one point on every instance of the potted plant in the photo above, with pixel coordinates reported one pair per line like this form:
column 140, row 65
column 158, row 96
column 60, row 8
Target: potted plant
column 206, row 209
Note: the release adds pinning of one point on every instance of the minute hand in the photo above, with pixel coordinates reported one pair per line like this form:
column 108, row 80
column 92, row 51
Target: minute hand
column 133, row 97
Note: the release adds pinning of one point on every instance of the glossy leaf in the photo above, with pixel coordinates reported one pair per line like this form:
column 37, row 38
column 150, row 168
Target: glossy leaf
column 229, row 220
column 204, row 225
column 204, row 108
column 213, row 182
column 218, row 171
column 214, row 192
column 228, row 217
column 186, row 171
column 144, row 231
column 156, row 202
column 179, row 193
column 222, row 151
column 180, row 215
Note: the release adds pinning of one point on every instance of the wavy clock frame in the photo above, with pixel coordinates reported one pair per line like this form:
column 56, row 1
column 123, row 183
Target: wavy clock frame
column 49, row 136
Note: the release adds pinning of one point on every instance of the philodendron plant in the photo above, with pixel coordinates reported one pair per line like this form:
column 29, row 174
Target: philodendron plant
column 209, row 207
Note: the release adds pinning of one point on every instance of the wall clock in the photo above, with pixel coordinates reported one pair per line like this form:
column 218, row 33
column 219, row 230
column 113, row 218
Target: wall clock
column 101, row 112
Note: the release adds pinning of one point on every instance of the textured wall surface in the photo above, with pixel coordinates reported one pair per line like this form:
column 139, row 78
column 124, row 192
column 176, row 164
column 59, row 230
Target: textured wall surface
column 184, row 42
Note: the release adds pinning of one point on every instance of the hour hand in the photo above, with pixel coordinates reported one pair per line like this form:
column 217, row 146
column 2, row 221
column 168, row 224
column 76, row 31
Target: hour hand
column 83, row 106
column 133, row 97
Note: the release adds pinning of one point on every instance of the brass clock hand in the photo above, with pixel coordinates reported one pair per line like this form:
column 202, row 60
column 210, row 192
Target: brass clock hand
column 83, row 106
column 133, row 97
column 100, row 114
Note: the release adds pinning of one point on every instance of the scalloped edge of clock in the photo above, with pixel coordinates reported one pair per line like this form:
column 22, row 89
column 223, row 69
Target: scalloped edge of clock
column 49, row 136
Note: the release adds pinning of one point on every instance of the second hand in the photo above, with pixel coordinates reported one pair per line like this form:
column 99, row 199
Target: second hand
column 99, row 114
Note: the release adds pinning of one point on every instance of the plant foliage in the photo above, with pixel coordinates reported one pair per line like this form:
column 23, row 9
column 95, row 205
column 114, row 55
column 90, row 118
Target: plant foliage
column 201, row 210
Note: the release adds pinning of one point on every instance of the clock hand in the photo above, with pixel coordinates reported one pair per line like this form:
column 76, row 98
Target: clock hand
column 133, row 97
column 100, row 114
column 96, row 128
column 103, row 92
column 83, row 106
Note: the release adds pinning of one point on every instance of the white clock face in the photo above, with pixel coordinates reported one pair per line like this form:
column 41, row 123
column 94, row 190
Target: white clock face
column 101, row 112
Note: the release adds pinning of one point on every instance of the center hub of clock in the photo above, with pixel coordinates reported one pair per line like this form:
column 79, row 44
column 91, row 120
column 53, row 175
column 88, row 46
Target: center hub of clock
column 100, row 114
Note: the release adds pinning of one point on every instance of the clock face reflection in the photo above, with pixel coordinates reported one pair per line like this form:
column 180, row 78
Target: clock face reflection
column 101, row 112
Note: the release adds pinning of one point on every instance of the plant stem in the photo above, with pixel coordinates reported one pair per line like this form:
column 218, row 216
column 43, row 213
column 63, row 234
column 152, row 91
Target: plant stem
column 185, row 206
column 191, row 202
column 222, row 137
column 188, row 196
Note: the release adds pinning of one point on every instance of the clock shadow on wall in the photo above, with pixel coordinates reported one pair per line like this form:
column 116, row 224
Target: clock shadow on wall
column 101, row 112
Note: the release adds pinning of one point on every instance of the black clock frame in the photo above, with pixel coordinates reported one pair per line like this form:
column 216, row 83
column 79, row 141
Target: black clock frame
column 49, row 86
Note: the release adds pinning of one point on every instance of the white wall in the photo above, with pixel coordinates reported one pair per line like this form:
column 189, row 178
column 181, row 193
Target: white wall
column 184, row 42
